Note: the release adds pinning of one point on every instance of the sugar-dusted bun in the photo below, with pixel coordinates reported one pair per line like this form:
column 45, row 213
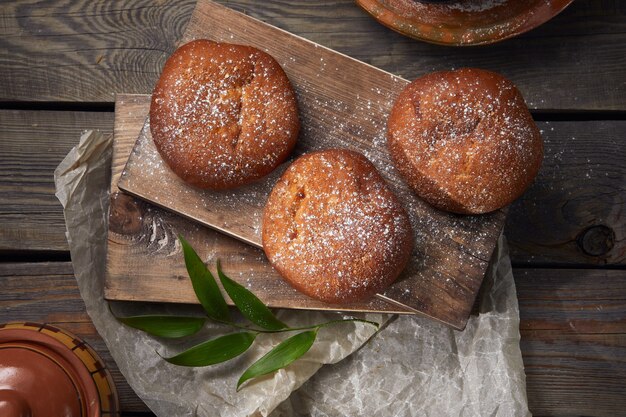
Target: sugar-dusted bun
column 464, row 140
column 334, row 230
column 223, row 115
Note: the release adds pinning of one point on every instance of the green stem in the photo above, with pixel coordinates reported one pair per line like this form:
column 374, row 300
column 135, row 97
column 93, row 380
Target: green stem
column 293, row 329
column 373, row 323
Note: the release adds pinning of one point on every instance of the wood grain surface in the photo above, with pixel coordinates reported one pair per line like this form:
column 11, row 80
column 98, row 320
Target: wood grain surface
column 574, row 212
column 88, row 50
column 573, row 347
column 574, row 374
column 343, row 103
column 85, row 50
column 32, row 144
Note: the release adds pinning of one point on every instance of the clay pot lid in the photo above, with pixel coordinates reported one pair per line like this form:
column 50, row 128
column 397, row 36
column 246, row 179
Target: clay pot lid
column 462, row 22
column 46, row 371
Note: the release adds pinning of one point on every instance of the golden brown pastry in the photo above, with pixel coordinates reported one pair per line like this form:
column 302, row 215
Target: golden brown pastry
column 334, row 230
column 464, row 140
column 223, row 115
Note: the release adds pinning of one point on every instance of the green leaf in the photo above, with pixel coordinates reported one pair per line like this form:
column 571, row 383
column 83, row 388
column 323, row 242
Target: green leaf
column 215, row 351
column 165, row 326
column 282, row 355
column 248, row 303
column 204, row 285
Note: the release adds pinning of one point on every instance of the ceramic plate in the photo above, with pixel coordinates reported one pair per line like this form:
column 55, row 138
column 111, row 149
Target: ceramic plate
column 47, row 371
column 462, row 22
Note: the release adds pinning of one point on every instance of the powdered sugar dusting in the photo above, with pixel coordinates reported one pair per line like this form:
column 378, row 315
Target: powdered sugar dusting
column 333, row 228
column 465, row 140
column 223, row 115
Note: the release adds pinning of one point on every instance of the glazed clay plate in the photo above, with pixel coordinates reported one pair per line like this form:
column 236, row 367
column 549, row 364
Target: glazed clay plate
column 46, row 371
column 462, row 22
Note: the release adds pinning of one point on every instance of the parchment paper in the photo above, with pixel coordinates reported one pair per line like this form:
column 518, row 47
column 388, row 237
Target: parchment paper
column 413, row 366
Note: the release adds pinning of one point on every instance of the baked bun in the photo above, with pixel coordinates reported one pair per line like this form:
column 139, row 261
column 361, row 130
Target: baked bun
column 334, row 230
column 464, row 140
column 223, row 115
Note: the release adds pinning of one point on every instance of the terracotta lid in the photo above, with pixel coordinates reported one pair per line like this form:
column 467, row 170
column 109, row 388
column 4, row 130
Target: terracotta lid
column 462, row 22
column 46, row 371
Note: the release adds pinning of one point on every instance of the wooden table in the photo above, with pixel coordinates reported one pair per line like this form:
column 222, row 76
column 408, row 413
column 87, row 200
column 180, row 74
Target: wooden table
column 62, row 62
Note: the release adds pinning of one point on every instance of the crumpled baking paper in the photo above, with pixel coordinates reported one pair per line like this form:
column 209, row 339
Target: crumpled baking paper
column 412, row 366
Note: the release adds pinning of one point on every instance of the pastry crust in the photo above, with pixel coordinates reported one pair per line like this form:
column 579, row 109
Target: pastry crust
column 464, row 140
column 334, row 230
column 223, row 115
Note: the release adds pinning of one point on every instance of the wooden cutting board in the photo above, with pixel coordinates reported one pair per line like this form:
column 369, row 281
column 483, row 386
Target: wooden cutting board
column 343, row 103
column 144, row 258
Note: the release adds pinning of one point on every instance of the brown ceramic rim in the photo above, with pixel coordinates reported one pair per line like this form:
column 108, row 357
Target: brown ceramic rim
column 94, row 379
column 530, row 18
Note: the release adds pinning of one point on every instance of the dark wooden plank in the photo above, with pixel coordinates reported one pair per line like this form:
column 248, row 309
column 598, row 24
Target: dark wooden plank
column 569, row 371
column 48, row 293
column 32, row 144
column 575, row 374
column 338, row 110
column 87, row 51
column 574, row 212
column 573, row 340
column 572, row 300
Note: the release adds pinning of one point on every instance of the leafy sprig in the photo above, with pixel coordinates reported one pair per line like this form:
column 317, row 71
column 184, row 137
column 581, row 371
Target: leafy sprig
column 231, row 345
